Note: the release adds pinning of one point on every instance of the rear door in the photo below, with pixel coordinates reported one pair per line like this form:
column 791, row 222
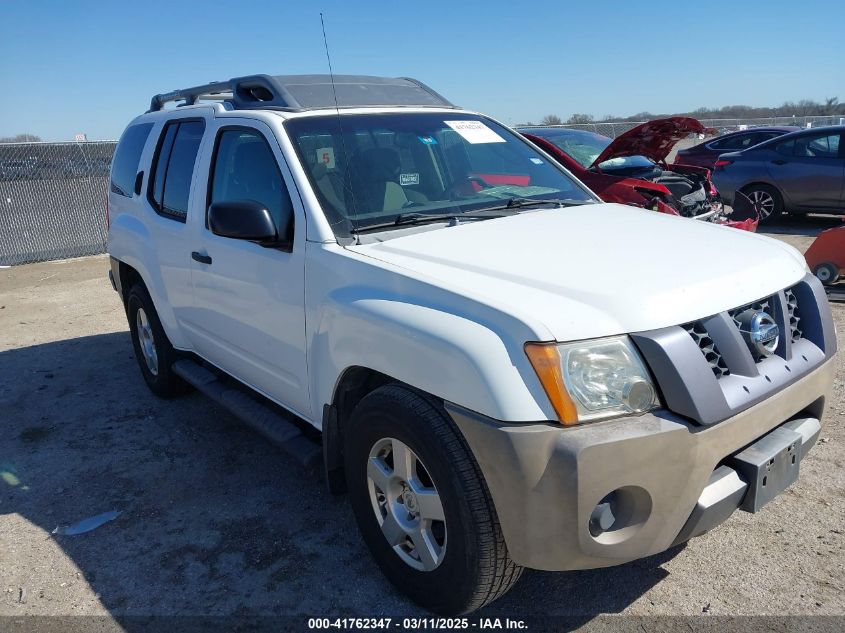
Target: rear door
column 248, row 314
column 168, row 193
column 809, row 169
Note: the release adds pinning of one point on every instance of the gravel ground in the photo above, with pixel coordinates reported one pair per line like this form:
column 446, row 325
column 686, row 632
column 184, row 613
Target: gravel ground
column 215, row 520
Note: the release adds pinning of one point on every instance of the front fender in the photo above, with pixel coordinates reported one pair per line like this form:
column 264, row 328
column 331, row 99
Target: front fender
column 442, row 352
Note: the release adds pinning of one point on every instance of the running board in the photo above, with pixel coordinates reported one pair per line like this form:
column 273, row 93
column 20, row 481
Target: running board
column 240, row 402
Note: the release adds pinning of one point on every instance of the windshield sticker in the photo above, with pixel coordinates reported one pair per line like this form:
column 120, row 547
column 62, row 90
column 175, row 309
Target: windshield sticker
column 536, row 161
column 409, row 179
column 325, row 155
column 427, row 140
column 475, row 132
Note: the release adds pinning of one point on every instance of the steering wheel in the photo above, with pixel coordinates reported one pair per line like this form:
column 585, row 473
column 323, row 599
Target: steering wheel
column 452, row 189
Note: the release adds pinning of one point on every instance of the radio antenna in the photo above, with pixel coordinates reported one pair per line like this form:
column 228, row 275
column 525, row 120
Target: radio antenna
column 329, row 58
column 346, row 183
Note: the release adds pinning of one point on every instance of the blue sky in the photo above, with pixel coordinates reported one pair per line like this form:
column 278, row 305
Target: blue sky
column 89, row 66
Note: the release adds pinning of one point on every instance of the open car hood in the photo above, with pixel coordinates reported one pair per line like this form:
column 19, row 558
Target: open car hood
column 653, row 139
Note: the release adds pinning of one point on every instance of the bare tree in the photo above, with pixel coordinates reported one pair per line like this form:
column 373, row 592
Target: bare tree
column 580, row 118
column 551, row 119
column 21, row 138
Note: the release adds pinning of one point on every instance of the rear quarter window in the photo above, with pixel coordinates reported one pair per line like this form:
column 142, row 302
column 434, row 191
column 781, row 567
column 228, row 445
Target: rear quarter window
column 127, row 157
column 173, row 168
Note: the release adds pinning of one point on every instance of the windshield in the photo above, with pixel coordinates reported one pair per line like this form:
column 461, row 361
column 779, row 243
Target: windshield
column 370, row 169
column 585, row 147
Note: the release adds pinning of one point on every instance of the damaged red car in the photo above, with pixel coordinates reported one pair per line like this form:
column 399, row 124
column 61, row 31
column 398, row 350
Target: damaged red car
column 632, row 169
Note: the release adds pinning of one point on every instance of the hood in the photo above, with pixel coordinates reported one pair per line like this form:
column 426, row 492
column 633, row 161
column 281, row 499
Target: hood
column 653, row 139
column 596, row 270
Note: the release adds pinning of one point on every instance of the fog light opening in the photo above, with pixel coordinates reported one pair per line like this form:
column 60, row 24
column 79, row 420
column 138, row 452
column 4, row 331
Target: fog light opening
column 620, row 514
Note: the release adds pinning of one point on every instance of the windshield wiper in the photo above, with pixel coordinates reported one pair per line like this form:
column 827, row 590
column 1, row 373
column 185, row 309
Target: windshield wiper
column 405, row 219
column 521, row 203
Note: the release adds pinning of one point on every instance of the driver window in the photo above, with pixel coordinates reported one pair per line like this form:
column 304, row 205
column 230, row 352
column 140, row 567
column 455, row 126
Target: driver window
column 244, row 168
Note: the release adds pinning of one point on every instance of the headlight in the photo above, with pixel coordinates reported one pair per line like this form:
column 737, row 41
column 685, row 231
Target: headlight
column 593, row 380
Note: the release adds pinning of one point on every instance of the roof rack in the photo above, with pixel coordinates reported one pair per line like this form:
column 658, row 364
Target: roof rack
column 307, row 92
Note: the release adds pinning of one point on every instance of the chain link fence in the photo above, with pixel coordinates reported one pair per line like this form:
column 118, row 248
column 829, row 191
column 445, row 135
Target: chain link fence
column 53, row 200
column 720, row 126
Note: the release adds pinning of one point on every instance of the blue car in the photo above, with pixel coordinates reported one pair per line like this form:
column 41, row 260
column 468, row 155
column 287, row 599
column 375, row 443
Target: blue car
column 799, row 173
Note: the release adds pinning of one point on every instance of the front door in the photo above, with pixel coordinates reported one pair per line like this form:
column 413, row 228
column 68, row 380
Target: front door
column 248, row 314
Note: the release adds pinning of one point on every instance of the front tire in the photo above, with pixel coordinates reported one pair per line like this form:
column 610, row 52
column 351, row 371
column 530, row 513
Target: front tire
column 153, row 351
column 422, row 505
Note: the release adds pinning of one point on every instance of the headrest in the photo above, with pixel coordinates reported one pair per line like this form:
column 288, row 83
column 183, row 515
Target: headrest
column 377, row 164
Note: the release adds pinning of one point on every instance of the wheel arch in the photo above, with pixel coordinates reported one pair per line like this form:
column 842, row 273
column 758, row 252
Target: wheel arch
column 353, row 385
column 128, row 276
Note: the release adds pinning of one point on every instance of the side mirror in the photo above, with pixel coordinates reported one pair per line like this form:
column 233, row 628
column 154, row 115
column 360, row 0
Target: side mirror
column 250, row 220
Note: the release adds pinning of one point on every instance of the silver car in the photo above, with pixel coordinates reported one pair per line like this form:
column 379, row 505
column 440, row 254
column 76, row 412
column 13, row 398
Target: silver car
column 800, row 172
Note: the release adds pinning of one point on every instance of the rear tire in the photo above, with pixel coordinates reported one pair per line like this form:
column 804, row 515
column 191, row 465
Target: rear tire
column 153, row 351
column 465, row 564
column 827, row 273
column 767, row 202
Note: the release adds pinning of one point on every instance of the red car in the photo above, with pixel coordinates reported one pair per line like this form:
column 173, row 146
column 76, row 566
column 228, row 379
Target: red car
column 632, row 169
column 705, row 154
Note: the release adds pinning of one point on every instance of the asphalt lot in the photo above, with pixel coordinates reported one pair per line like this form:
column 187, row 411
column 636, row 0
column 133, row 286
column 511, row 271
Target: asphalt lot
column 215, row 520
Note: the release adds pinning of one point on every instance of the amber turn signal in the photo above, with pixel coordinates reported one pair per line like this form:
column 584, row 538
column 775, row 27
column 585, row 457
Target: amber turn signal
column 545, row 359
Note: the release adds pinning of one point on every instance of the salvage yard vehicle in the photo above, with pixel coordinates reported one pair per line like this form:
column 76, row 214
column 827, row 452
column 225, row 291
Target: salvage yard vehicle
column 802, row 172
column 707, row 153
column 632, row 168
column 413, row 295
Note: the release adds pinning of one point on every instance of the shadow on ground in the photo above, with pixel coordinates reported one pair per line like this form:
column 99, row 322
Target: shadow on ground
column 806, row 225
column 215, row 520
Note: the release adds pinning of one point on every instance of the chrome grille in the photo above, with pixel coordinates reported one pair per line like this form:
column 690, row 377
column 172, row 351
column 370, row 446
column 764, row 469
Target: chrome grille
column 708, row 348
column 794, row 316
column 769, row 305
column 763, row 305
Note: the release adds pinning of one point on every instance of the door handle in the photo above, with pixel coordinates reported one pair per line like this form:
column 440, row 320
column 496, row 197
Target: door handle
column 199, row 257
column 780, row 161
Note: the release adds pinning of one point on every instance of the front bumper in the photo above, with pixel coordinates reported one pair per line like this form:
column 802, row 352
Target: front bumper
column 546, row 480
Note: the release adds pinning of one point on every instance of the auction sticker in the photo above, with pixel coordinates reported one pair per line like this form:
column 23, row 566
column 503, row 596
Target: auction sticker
column 325, row 155
column 475, row 132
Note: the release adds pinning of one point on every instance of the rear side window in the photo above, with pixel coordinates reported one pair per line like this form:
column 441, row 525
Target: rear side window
column 725, row 143
column 822, row 146
column 124, row 166
column 245, row 169
column 738, row 142
column 174, row 168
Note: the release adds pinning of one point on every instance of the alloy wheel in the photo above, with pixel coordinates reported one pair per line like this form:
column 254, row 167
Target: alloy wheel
column 146, row 341
column 406, row 504
column 763, row 202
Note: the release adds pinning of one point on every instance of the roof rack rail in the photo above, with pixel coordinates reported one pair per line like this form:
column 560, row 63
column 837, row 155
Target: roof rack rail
column 307, row 92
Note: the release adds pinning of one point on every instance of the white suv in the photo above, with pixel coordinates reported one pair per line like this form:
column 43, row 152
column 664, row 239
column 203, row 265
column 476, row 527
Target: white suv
column 502, row 371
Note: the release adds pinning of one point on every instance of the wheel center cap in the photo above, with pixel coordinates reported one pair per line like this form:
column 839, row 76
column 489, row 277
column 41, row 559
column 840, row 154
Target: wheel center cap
column 410, row 500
